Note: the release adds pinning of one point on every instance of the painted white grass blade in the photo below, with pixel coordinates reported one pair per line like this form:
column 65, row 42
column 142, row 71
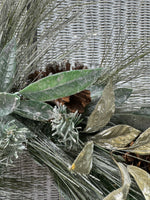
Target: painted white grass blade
column 142, row 179
column 103, row 110
column 142, row 144
column 7, row 66
column 116, row 137
column 8, row 103
column 122, row 192
column 60, row 85
column 83, row 162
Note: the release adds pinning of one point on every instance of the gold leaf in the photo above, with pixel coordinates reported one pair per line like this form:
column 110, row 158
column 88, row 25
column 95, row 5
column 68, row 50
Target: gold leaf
column 83, row 162
column 142, row 179
column 122, row 192
column 116, row 137
column 103, row 110
column 142, row 144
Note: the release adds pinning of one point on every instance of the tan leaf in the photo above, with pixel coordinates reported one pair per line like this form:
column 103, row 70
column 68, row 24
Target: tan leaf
column 103, row 110
column 116, row 137
column 142, row 144
column 122, row 192
column 83, row 162
column 142, row 179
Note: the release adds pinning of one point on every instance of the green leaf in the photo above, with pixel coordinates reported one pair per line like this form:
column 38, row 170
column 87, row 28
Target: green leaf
column 34, row 110
column 122, row 192
column 121, row 95
column 142, row 144
column 142, row 179
column 83, row 162
column 141, row 122
column 7, row 66
column 103, row 110
column 116, row 136
column 143, row 111
column 8, row 103
column 61, row 84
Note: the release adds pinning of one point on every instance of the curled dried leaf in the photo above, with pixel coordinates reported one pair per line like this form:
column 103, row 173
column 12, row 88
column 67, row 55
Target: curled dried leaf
column 116, row 137
column 83, row 162
column 142, row 179
column 103, row 110
column 142, row 144
column 122, row 192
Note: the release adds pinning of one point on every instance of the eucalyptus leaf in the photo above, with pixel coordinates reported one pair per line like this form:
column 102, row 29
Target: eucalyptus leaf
column 142, row 144
column 83, row 162
column 121, row 95
column 60, row 85
column 122, row 192
column 142, row 179
column 34, row 110
column 116, row 136
column 103, row 110
column 7, row 66
column 8, row 103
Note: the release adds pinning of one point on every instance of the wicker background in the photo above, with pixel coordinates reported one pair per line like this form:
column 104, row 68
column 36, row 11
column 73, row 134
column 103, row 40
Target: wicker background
column 102, row 24
column 99, row 28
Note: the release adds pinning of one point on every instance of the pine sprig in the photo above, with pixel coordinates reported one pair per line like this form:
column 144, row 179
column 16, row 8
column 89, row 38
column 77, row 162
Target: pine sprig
column 12, row 142
column 64, row 126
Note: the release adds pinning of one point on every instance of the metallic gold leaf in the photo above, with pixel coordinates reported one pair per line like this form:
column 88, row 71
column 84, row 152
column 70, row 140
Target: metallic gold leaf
column 122, row 192
column 142, row 179
column 83, row 162
column 116, row 137
column 103, row 110
column 142, row 144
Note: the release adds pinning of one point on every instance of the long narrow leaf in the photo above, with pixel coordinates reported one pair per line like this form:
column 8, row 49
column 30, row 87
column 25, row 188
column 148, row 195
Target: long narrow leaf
column 61, row 84
column 7, row 66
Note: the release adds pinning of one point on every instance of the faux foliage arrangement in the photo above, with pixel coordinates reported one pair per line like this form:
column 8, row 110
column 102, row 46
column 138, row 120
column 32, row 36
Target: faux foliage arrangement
column 83, row 152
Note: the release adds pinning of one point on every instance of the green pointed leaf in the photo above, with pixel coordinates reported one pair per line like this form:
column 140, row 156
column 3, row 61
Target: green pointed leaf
column 8, row 103
column 142, row 144
column 61, row 84
column 143, row 111
column 141, row 122
column 122, row 192
column 83, row 162
column 121, row 95
column 7, row 66
column 103, row 110
column 142, row 179
column 116, row 136
column 34, row 110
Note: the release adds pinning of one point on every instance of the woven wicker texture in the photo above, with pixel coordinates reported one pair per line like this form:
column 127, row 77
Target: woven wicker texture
column 27, row 181
column 113, row 27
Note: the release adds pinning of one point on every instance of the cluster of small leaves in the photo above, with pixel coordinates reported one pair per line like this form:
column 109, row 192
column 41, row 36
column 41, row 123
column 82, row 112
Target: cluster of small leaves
column 12, row 142
column 64, row 126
